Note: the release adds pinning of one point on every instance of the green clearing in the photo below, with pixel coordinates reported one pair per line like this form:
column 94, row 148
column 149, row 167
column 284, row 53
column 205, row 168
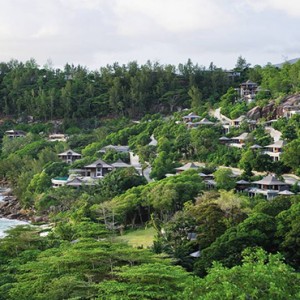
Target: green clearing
column 140, row 237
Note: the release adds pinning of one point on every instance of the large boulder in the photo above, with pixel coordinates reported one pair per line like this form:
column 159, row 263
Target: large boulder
column 254, row 113
column 269, row 112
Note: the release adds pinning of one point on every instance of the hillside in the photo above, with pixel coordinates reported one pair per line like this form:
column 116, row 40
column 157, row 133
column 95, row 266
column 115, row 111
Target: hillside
column 184, row 152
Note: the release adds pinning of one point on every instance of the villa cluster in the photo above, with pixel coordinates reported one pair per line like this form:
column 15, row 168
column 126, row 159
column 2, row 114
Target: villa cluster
column 274, row 150
column 269, row 186
column 89, row 174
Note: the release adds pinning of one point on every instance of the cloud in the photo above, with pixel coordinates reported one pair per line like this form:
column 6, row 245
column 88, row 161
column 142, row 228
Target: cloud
column 98, row 32
column 135, row 17
column 290, row 7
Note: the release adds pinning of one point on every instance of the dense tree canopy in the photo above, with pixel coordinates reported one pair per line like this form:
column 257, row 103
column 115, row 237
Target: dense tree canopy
column 206, row 235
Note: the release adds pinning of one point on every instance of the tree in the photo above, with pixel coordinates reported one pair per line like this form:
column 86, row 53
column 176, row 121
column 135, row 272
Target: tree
column 224, row 179
column 196, row 97
column 291, row 154
column 261, row 276
column 288, row 231
column 263, row 162
column 161, row 166
column 241, row 64
column 119, row 181
column 257, row 230
column 204, row 141
column 144, row 282
column 72, row 270
column 210, row 223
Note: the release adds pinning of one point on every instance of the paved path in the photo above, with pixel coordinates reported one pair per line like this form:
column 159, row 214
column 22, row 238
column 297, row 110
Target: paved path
column 291, row 179
column 275, row 134
column 217, row 114
column 146, row 173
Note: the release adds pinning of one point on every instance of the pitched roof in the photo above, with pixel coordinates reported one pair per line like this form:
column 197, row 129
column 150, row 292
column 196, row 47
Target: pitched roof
column 242, row 136
column 210, row 182
column 187, row 166
column 68, row 152
column 75, row 182
column 277, row 144
column 12, row 131
column 120, row 164
column 270, row 180
column 224, row 138
column 205, row 121
column 240, row 118
column 195, row 254
column 255, row 146
column 286, row 192
column 249, row 82
column 191, row 115
column 203, row 174
column 98, row 162
column 242, row 182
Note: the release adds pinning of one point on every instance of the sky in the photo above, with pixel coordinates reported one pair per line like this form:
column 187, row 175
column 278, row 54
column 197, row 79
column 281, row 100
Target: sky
column 94, row 33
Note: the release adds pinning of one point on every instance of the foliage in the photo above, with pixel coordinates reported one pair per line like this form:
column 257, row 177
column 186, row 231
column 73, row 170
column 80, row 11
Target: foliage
column 145, row 282
column 261, row 276
column 288, row 231
column 256, row 230
column 291, row 154
column 224, row 179
column 80, row 257
column 81, row 264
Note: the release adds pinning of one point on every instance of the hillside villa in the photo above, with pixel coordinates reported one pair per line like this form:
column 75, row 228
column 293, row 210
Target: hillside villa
column 15, row 133
column 190, row 117
column 69, row 156
column 275, row 150
column 57, row 137
column 269, row 187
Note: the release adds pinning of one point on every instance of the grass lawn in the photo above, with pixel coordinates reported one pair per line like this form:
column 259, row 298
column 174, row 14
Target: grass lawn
column 139, row 237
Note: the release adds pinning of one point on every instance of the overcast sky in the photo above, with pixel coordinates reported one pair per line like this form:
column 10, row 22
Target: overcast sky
column 94, row 33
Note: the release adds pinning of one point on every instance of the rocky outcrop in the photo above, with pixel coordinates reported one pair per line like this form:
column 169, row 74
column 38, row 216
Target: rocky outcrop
column 273, row 111
column 10, row 208
column 269, row 111
column 254, row 113
column 292, row 101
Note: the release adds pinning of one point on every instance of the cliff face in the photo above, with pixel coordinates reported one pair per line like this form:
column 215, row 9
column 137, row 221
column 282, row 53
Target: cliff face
column 271, row 111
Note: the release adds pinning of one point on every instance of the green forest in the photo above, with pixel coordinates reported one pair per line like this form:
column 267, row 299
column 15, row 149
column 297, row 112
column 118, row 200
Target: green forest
column 207, row 241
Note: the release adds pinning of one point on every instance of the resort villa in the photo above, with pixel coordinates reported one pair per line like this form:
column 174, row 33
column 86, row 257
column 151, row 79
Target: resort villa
column 69, row 156
column 269, row 187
